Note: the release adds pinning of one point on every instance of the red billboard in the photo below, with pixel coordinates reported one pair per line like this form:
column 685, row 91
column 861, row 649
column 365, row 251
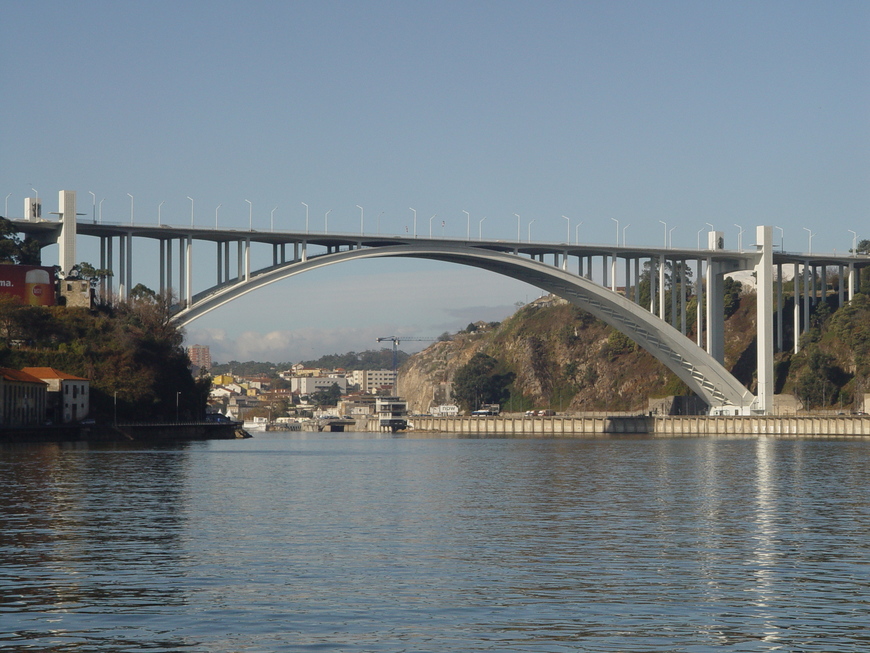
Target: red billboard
column 32, row 284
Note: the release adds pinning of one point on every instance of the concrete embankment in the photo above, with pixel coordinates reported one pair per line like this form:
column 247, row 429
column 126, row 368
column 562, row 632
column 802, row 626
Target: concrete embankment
column 126, row 433
column 840, row 426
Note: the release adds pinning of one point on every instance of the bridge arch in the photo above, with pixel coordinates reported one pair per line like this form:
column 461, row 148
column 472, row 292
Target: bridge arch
column 695, row 367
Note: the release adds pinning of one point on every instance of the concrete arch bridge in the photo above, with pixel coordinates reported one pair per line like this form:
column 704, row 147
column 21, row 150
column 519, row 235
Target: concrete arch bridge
column 567, row 272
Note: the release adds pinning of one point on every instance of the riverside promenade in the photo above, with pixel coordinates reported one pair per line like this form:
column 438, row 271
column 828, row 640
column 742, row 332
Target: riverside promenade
column 828, row 426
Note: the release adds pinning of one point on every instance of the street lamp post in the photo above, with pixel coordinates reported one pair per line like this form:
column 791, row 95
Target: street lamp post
column 518, row 226
column 430, row 224
column 739, row 237
column 810, row 234
column 666, row 232
column 468, row 225
column 699, row 237
column 854, row 242
column 671, row 237
column 326, row 222
column 568, row 242
column 250, row 215
column 216, row 215
column 273, row 218
column 131, row 208
column 617, row 230
column 781, row 238
column 6, row 210
column 530, row 230
column 379, row 221
column 306, row 216
column 191, row 209
column 159, row 206
column 577, row 233
column 480, row 228
column 94, row 214
column 361, row 218
column 415, row 220
column 623, row 233
column 101, row 209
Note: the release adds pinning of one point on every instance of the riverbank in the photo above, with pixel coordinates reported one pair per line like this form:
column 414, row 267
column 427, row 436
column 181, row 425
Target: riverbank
column 839, row 426
column 125, row 433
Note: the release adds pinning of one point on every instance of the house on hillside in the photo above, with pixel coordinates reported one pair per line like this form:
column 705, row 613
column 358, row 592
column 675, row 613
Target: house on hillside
column 22, row 399
column 68, row 398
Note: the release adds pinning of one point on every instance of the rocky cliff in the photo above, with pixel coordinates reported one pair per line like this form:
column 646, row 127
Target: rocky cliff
column 562, row 358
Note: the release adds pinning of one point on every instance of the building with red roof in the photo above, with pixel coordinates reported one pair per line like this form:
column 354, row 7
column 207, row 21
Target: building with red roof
column 22, row 398
column 68, row 396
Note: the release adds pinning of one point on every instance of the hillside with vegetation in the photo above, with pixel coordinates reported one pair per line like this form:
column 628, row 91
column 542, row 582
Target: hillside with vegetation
column 553, row 355
column 131, row 352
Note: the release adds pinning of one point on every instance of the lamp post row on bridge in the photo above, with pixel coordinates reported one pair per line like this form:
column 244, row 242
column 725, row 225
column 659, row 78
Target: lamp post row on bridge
column 97, row 216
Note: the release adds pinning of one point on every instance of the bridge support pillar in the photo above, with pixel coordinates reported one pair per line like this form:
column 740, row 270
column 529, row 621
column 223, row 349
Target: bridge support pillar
column 715, row 310
column 851, row 281
column 699, row 294
column 796, row 317
column 66, row 238
column 764, row 318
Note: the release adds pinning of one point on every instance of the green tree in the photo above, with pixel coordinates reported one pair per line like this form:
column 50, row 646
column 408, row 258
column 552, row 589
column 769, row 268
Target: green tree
column 328, row 397
column 479, row 382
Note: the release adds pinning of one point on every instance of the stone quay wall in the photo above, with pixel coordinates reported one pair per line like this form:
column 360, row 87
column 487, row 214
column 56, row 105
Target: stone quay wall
column 840, row 426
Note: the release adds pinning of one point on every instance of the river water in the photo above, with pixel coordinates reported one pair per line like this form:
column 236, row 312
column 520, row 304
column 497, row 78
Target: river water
column 360, row 542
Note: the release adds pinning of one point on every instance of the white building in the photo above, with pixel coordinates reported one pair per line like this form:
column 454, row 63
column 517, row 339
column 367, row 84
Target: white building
column 372, row 380
column 68, row 396
column 306, row 385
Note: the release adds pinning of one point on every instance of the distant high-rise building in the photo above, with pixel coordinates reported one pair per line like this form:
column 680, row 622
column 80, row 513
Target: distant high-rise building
column 199, row 356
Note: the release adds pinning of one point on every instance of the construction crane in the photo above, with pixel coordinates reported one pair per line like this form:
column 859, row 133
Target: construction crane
column 396, row 340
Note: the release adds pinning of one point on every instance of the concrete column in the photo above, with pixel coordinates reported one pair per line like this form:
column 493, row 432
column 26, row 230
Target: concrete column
column 589, row 267
column 226, row 261
column 129, row 263
column 662, row 287
column 604, row 270
column 764, row 319
column 851, row 281
column 295, row 251
column 807, row 298
column 188, row 272
column 823, row 286
column 699, row 294
column 675, row 284
column 169, row 266
column 797, row 308
column 652, row 285
column 715, row 310
column 240, row 260
column 247, row 259
column 103, row 265
column 637, row 281
column 66, row 237
column 613, row 262
column 565, row 261
column 122, row 268
column 220, row 263
column 779, row 314
column 840, row 282
column 111, row 266
column 627, row 277
column 683, row 266
column 182, row 277
column 162, row 266
column 304, row 251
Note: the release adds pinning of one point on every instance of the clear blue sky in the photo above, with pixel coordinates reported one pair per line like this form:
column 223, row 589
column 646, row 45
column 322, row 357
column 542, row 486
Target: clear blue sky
column 685, row 112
